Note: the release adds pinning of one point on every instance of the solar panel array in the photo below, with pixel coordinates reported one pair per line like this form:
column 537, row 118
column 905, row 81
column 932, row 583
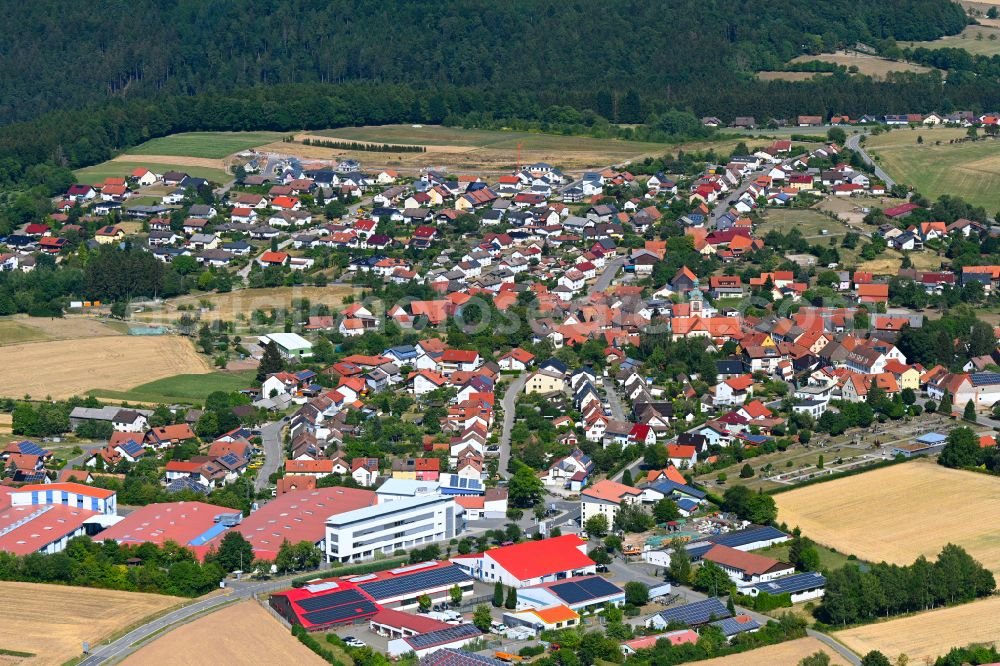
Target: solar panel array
column 341, row 613
column 698, row 612
column 131, row 448
column 453, row 657
column 730, row 627
column 31, row 449
column 230, row 460
column 432, row 638
column 743, row 537
column 579, row 591
column 794, row 583
column 393, row 587
column 335, row 598
column 984, row 378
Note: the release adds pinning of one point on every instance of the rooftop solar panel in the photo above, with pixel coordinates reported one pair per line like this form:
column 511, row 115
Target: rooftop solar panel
column 743, row 537
column 730, row 627
column 698, row 612
column 598, row 587
column 422, row 580
column 433, row 638
column 338, row 598
column 31, row 449
column 585, row 589
column 571, row 593
column 794, row 583
column 341, row 613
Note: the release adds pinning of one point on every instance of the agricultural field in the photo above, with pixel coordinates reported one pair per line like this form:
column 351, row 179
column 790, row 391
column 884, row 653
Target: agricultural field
column 64, row 368
column 925, row 636
column 242, row 633
column 898, row 513
column 867, row 64
column 14, row 330
column 123, row 165
column 181, row 388
column 970, row 170
column 205, row 144
column 228, row 306
column 485, row 149
column 976, row 39
column 53, row 621
column 782, row 654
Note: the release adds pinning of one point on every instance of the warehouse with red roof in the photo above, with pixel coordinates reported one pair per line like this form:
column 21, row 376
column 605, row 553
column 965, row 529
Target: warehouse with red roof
column 530, row 562
column 185, row 523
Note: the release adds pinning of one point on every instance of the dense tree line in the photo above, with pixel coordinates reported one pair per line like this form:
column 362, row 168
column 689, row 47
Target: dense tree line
column 962, row 451
column 365, row 147
column 951, row 340
column 167, row 569
column 855, row 596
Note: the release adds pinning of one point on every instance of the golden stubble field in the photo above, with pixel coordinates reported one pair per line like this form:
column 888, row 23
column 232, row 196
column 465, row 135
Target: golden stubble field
column 227, row 306
column 928, row 635
column 898, row 513
column 243, row 633
column 53, row 621
column 64, row 368
column 782, row 654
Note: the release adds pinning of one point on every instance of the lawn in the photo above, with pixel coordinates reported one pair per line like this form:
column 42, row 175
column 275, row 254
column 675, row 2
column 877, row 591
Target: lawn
column 205, row 144
column 898, row 513
column 968, row 39
column 12, row 331
column 866, row 64
column 829, row 559
column 808, row 221
column 970, row 170
column 122, row 167
column 181, row 388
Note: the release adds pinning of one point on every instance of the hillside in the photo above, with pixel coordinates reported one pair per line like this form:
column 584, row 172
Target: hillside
column 143, row 47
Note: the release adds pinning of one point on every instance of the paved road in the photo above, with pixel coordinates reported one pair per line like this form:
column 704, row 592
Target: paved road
column 854, row 143
column 722, row 206
column 509, row 401
column 614, row 400
column 607, row 275
column 270, row 436
column 835, row 645
column 245, row 271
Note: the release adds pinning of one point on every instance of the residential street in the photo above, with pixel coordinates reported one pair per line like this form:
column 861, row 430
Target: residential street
column 509, row 399
column 607, row 275
column 854, row 143
column 722, row 205
column 270, row 435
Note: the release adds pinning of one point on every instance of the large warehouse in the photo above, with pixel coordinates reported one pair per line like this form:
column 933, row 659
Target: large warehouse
column 403, row 586
column 325, row 604
column 530, row 562
column 185, row 523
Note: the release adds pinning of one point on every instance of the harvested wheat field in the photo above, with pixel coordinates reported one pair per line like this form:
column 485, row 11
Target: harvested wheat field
column 788, row 653
column 6, row 421
column 897, row 513
column 53, row 621
column 928, row 635
column 64, row 368
column 243, row 633
column 228, row 305
column 28, row 329
column 174, row 160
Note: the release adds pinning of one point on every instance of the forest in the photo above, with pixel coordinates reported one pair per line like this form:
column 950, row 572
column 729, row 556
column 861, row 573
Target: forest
column 142, row 47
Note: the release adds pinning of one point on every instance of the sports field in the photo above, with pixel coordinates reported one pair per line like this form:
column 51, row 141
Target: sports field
column 64, row 368
column 205, row 144
column 31, row 329
column 970, row 170
column 788, row 653
column 181, row 388
column 928, row 635
column 53, row 621
column 242, row 633
column 123, row 165
column 976, row 39
column 897, row 513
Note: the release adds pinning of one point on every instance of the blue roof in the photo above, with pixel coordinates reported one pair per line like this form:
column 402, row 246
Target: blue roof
column 799, row 582
column 687, row 504
column 131, row 448
column 730, row 627
column 931, row 438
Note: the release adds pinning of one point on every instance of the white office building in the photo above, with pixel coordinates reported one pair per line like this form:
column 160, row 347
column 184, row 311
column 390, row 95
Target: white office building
column 405, row 522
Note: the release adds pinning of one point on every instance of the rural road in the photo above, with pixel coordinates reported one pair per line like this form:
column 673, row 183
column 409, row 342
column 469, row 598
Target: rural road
column 125, row 645
column 854, row 143
column 835, row 645
column 509, row 405
column 270, row 437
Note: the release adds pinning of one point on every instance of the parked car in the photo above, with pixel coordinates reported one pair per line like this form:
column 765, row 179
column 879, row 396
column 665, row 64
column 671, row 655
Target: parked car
column 354, row 642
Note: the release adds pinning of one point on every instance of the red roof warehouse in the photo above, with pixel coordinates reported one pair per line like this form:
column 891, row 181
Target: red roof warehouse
column 324, row 604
